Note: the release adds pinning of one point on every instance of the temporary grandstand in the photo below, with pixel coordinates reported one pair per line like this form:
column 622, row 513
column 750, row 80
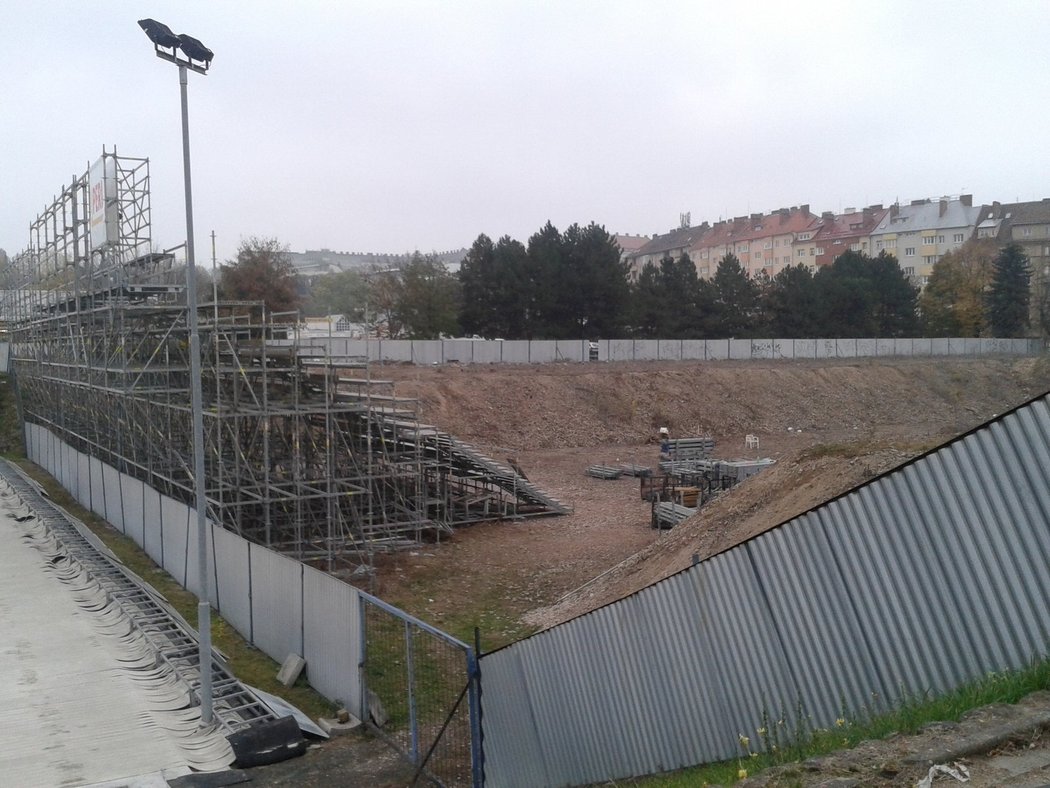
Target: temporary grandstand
column 305, row 451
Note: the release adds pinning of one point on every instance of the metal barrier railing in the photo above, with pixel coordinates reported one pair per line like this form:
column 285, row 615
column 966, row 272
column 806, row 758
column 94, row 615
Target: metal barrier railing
column 421, row 693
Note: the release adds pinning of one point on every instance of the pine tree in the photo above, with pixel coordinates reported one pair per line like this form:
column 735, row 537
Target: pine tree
column 1006, row 303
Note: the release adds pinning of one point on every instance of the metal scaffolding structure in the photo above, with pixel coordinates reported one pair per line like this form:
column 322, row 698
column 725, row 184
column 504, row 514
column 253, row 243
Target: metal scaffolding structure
column 305, row 452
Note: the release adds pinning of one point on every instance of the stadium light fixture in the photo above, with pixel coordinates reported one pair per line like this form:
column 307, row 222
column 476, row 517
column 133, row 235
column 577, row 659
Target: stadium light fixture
column 197, row 57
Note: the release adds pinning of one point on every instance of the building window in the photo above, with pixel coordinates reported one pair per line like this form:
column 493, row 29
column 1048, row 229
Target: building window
column 878, row 244
column 929, row 259
column 909, row 251
column 984, row 233
column 801, row 252
column 804, row 236
column 940, row 239
column 854, row 247
column 928, row 240
column 1026, row 232
column 820, row 250
column 958, row 238
column 891, row 244
column 758, row 255
column 909, row 270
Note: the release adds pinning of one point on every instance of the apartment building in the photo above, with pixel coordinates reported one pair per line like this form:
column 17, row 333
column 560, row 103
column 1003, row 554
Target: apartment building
column 762, row 242
column 849, row 231
column 918, row 234
column 672, row 244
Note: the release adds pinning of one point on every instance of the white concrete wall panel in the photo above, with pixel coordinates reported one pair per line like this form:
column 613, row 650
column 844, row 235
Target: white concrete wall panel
column 571, row 350
column 669, row 349
column 694, row 350
column 603, row 349
column 866, row 348
column 457, row 351
column 646, row 350
column 486, row 352
column 938, row 347
column 805, row 348
column 922, row 347
column 98, row 488
column 177, row 550
column 397, row 351
column 277, row 603
column 133, row 493
column 827, row 348
column 543, row 351
column 971, row 346
column 515, row 351
column 716, row 349
column 845, row 348
column 232, row 587
column 956, row 346
column 426, row 351
column 762, row 349
column 888, row 347
column 332, row 637
column 740, row 349
column 114, row 501
column 152, row 525
column 357, row 347
column 621, row 350
column 784, row 348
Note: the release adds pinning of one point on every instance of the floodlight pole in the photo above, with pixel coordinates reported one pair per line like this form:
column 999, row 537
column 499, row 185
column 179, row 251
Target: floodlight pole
column 197, row 407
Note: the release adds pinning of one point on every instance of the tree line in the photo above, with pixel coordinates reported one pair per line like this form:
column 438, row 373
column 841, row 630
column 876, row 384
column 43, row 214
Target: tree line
column 574, row 284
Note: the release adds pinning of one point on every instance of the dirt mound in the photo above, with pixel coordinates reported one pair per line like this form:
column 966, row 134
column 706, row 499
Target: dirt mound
column 849, row 421
column 562, row 405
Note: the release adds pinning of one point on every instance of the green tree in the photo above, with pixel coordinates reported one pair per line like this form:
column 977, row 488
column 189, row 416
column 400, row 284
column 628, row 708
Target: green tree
column 595, row 287
column 1006, row 302
column 343, row 293
column 428, row 299
column 262, row 272
column 952, row 304
column 495, row 289
column 736, row 300
column 791, row 304
column 860, row 296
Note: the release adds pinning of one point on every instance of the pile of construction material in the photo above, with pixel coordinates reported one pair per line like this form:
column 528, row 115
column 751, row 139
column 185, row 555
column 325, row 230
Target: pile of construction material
column 605, row 471
column 691, row 448
column 667, row 514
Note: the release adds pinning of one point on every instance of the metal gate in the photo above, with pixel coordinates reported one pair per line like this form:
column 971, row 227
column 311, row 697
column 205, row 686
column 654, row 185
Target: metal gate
column 421, row 692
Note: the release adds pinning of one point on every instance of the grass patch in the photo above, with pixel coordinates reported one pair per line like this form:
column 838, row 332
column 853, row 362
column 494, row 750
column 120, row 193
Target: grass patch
column 769, row 745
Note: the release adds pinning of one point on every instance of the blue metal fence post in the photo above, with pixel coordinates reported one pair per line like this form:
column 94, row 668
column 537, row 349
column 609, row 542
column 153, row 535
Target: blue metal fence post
column 413, row 723
column 477, row 753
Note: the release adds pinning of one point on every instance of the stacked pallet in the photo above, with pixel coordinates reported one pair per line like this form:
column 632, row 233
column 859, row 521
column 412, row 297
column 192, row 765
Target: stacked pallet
column 691, row 448
column 667, row 514
column 687, row 496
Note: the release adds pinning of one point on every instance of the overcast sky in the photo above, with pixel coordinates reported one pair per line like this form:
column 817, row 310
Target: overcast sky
column 394, row 126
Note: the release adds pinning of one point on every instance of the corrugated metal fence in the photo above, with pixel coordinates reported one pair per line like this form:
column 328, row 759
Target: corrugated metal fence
column 922, row 579
column 485, row 351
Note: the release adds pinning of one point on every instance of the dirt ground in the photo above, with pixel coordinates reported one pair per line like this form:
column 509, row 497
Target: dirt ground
column 829, row 425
